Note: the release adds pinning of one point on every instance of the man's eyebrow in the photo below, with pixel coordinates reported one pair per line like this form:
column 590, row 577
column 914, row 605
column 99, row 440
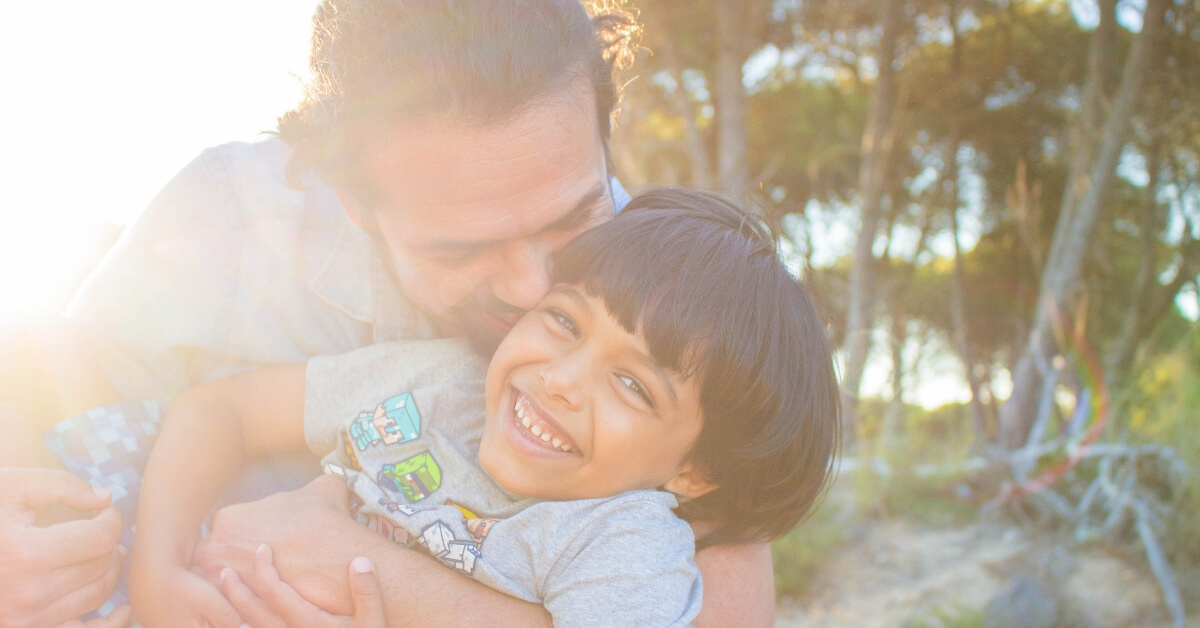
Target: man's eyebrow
column 579, row 215
column 576, row 218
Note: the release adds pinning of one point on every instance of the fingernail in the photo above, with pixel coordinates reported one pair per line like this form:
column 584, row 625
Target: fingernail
column 101, row 492
column 123, row 550
column 361, row 565
column 224, row 574
column 262, row 550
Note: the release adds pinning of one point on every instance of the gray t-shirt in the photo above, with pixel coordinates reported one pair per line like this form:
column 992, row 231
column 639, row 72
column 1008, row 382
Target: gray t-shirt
column 406, row 440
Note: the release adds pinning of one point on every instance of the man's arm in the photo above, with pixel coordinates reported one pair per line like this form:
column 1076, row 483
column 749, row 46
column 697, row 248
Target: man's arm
column 313, row 538
column 739, row 586
column 48, row 373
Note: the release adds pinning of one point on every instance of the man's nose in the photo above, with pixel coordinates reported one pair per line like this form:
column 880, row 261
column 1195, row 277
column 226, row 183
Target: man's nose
column 523, row 275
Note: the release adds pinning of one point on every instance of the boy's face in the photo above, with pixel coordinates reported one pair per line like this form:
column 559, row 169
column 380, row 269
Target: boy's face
column 577, row 408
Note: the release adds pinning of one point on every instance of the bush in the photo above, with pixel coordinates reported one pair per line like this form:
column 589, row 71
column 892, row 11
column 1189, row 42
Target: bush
column 800, row 555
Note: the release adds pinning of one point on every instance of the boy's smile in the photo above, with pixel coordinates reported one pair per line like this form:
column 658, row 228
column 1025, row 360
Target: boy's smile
column 577, row 408
column 539, row 427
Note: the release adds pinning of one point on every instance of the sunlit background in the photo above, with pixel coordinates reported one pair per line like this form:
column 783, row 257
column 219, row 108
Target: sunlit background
column 104, row 101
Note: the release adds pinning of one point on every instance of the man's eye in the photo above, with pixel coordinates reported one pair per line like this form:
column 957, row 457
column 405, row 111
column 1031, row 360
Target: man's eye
column 638, row 389
column 564, row 321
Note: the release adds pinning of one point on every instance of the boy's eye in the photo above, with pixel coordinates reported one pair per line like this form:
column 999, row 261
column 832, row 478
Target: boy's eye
column 638, row 389
column 564, row 321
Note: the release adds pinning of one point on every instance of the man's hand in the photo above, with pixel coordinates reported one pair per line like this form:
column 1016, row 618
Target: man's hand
column 313, row 538
column 291, row 523
column 265, row 601
column 180, row 598
column 52, row 575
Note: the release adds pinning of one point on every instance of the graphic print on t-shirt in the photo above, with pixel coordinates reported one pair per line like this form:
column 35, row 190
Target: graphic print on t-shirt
column 395, row 420
column 439, row 541
column 415, row 477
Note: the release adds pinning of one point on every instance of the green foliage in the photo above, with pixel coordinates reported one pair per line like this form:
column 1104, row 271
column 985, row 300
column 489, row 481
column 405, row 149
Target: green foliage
column 799, row 555
column 914, row 474
column 1162, row 408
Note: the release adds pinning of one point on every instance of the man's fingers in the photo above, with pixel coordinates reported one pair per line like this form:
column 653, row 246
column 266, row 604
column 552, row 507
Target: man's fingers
column 364, row 588
column 252, row 609
column 120, row 618
column 73, row 542
column 76, row 576
column 86, row 598
column 38, row 488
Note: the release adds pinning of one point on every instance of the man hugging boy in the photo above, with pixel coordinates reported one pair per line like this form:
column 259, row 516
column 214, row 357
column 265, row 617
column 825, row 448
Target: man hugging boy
column 676, row 373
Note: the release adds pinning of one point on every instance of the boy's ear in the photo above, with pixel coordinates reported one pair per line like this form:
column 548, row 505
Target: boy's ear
column 690, row 482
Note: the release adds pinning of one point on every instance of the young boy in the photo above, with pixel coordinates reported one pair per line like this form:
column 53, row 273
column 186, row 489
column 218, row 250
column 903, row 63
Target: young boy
column 676, row 370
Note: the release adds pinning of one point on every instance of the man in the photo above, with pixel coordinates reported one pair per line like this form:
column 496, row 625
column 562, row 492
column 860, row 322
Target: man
column 444, row 150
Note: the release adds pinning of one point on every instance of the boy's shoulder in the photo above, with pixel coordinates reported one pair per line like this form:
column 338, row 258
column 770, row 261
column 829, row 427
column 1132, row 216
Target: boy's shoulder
column 624, row 523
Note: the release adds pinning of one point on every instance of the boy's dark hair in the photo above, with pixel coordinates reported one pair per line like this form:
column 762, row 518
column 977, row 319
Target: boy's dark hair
column 378, row 62
column 701, row 281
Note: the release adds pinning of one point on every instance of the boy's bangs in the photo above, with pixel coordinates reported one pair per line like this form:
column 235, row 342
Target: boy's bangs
column 674, row 275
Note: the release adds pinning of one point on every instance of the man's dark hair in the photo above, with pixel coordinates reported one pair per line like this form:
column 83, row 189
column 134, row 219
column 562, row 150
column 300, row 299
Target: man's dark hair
column 378, row 62
column 702, row 282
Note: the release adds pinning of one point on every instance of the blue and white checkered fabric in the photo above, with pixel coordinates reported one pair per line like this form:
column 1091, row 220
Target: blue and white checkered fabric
column 109, row 447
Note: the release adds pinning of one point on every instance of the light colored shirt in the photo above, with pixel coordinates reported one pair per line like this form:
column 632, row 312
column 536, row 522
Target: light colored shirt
column 402, row 422
column 230, row 269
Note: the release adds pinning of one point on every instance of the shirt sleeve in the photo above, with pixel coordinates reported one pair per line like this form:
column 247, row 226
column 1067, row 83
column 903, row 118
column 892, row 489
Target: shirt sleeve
column 164, row 291
column 632, row 566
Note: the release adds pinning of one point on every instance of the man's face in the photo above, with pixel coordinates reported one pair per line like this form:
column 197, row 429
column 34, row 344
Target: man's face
column 468, row 216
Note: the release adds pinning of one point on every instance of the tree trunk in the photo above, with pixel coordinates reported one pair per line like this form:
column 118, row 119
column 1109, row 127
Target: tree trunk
column 871, row 177
column 1096, row 89
column 958, row 308
column 1073, row 231
column 733, row 167
column 1120, row 358
column 693, row 139
column 959, row 316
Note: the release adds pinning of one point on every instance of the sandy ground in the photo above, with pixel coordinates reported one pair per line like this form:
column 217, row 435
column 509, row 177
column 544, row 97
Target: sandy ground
column 896, row 572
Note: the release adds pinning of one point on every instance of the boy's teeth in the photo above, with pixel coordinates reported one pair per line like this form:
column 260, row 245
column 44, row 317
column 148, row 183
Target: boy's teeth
column 530, row 421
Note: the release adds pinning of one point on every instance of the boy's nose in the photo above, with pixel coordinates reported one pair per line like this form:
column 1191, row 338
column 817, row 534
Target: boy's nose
column 561, row 380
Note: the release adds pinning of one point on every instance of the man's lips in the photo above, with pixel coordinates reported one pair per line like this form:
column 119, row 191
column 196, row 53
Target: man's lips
column 536, row 425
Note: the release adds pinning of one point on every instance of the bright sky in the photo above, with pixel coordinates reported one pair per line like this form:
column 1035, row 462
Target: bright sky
column 105, row 101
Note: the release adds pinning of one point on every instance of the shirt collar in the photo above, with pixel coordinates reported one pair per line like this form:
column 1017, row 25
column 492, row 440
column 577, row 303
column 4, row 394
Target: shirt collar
column 353, row 279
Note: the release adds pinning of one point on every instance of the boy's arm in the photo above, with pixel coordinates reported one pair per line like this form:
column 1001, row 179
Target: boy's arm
column 208, row 434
